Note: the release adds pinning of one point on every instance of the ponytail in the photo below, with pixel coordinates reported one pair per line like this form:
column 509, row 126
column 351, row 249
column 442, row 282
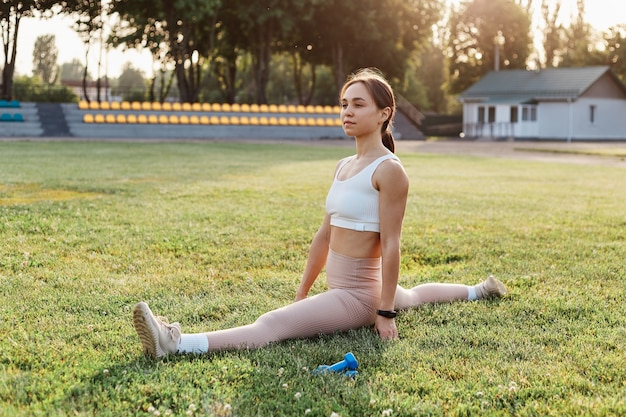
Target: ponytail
column 387, row 136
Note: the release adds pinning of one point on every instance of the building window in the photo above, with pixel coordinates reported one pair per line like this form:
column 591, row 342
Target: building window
column 481, row 114
column 514, row 114
column 492, row 114
column 529, row 113
column 592, row 114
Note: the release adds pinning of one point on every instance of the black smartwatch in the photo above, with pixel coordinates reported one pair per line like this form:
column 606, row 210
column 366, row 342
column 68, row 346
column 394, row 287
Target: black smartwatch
column 386, row 313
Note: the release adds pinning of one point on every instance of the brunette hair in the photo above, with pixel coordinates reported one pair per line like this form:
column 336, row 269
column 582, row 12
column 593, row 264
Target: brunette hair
column 382, row 93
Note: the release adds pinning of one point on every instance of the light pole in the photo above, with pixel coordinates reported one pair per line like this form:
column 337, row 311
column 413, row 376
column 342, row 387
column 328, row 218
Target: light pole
column 498, row 41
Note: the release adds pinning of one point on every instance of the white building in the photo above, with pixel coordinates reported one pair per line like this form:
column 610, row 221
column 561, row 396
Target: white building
column 587, row 103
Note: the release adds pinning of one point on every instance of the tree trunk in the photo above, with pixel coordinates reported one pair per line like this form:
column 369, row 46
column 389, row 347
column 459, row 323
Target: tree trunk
column 338, row 65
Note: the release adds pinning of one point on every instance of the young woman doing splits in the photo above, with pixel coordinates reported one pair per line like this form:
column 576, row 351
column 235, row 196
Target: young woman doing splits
column 358, row 243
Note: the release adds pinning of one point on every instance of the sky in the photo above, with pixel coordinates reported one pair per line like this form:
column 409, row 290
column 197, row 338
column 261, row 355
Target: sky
column 601, row 14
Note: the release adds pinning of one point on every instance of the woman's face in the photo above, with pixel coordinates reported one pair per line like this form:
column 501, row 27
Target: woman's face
column 359, row 114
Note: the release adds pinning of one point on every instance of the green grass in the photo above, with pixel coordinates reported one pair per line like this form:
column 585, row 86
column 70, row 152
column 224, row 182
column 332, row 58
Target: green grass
column 214, row 234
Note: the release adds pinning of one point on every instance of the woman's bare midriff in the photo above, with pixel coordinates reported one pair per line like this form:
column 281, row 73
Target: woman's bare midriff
column 355, row 244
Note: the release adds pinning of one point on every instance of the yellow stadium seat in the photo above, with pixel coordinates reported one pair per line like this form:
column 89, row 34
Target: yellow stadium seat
column 216, row 107
column 330, row 122
column 226, row 107
column 254, row 120
column 157, row 106
column 319, row 109
column 302, row 121
column 254, row 108
column 146, row 105
column 273, row 108
column 291, row 108
column 105, row 105
column 142, row 119
column 282, row 108
column 311, row 121
column 196, row 107
column 205, row 120
column 309, row 109
column 244, row 120
column 320, row 121
column 116, row 105
column 233, row 120
column 176, row 106
column 264, row 108
column 99, row 118
column 186, row 106
column 263, row 121
column 328, row 109
column 245, row 108
column 214, row 120
column 273, row 121
column 163, row 119
column 194, row 120
column 132, row 119
column 83, row 105
column 94, row 105
column 300, row 108
column 224, row 120
column 120, row 118
column 292, row 121
column 125, row 105
column 135, row 105
column 283, row 121
column 206, row 106
column 88, row 118
column 173, row 119
column 235, row 107
column 336, row 109
column 109, row 118
column 153, row 118
column 166, row 106
column 184, row 119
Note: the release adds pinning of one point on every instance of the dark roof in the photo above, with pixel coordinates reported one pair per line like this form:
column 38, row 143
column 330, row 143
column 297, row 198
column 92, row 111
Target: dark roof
column 522, row 86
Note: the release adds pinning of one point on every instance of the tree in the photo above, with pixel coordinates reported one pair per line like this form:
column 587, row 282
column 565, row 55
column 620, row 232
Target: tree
column 45, row 54
column 186, row 27
column 481, row 30
column 578, row 49
column 131, row 85
column 615, row 40
column 11, row 13
column 73, row 70
column 553, row 33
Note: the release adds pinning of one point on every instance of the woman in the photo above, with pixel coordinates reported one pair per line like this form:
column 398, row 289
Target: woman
column 358, row 243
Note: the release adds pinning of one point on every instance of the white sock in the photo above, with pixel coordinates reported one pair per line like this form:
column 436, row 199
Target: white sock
column 471, row 293
column 193, row 343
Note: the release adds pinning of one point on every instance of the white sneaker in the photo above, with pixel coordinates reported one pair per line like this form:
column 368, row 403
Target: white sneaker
column 158, row 338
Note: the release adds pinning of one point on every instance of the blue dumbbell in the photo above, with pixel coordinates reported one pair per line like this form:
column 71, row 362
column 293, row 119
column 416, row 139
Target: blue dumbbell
column 348, row 363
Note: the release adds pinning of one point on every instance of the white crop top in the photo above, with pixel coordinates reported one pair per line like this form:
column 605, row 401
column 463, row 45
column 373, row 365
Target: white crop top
column 353, row 203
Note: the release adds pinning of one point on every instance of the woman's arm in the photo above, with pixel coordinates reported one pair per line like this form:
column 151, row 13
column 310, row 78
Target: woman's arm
column 393, row 186
column 317, row 259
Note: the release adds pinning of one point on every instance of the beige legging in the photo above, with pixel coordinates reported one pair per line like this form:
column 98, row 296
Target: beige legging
column 351, row 301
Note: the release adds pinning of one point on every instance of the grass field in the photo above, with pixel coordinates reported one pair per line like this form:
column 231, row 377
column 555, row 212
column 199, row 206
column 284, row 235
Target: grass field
column 214, row 234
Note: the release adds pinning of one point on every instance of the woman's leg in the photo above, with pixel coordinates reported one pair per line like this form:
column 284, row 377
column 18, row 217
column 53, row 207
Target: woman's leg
column 329, row 312
column 437, row 293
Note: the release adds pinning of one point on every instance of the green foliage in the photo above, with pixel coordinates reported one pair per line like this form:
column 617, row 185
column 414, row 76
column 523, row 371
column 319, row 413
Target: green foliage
column 475, row 29
column 214, row 234
column 34, row 90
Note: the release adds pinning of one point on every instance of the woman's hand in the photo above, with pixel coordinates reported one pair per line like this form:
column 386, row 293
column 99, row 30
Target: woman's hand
column 386, row 328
